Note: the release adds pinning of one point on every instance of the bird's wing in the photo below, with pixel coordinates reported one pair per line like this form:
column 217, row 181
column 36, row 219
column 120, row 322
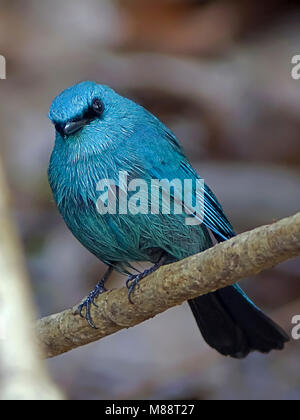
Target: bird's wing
column 165, row 159
column 214, row 216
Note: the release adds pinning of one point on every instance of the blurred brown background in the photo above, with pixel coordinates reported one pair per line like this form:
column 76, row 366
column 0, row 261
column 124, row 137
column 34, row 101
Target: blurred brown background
column 219, row 74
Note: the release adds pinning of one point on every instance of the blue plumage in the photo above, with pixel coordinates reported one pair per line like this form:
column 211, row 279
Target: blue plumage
column 100, row 133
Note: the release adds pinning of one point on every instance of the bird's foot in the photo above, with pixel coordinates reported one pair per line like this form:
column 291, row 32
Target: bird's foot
column 131, row 284
column 134, row 280
column 89, row 302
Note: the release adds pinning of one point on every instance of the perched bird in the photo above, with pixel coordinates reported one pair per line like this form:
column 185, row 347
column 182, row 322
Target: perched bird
column 100, row 134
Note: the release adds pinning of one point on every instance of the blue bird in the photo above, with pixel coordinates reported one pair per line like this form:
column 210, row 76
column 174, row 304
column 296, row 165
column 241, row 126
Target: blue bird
column 100, row 134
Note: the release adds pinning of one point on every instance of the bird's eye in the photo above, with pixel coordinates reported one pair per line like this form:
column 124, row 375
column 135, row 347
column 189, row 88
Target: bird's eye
column 96, row 109
column 98, row 106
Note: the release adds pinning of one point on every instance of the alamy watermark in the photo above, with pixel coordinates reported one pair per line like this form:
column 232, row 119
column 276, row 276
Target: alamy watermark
column 296, row 329
column 296, row 69
column 2, row 67
column 155, row 196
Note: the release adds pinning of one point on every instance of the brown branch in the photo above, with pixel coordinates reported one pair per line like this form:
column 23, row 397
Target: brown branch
column 224, row 264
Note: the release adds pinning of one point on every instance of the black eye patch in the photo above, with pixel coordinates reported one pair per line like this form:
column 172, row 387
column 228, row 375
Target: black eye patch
column 94, row 111
column 60, row 128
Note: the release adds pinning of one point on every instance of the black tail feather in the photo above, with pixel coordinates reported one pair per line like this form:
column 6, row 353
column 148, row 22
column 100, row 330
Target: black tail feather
column 232, row 325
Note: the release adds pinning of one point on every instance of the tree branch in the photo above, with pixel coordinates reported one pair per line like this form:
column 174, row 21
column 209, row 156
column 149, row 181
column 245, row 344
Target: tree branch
column 224, row 264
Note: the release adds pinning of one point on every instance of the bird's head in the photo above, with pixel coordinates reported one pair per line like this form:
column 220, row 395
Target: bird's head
column 89, row 115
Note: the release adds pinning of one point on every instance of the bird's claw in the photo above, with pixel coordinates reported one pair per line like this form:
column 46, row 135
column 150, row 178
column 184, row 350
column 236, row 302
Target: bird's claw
column 130, row 280
column 87, row 306
column 88, row 302
column 131, row 284
column 134, row 279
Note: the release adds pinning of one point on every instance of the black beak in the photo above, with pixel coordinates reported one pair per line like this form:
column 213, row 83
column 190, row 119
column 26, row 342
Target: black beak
column 73, row 126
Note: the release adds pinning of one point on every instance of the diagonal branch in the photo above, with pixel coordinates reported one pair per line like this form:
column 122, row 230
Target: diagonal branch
column 245, row 255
